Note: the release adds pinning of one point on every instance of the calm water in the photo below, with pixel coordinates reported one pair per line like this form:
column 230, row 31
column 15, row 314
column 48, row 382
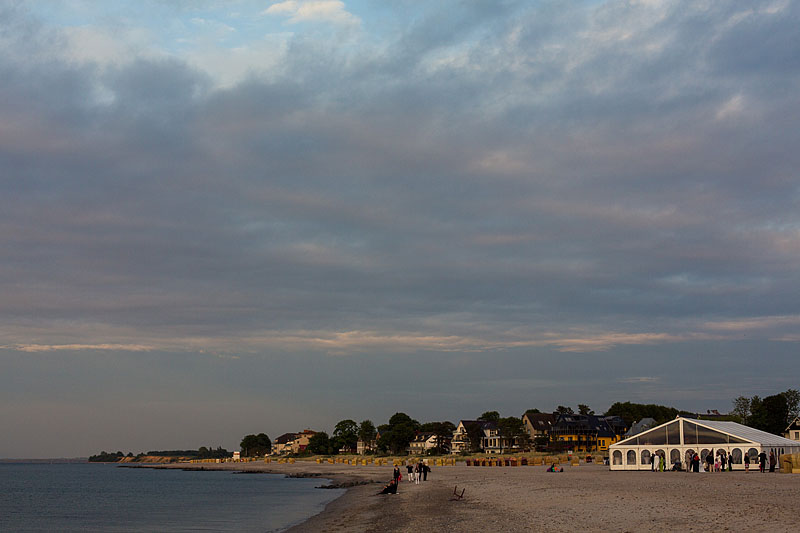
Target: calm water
column 95, row 497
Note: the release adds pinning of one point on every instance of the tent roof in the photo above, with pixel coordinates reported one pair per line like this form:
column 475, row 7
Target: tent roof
column 734, row 429
column 746, row 432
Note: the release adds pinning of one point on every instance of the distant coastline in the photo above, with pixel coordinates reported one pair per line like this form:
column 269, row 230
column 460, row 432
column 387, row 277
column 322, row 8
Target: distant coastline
column 57, row 460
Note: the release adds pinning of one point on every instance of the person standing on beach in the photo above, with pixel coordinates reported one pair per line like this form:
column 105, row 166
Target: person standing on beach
column 410, row 472
column 710, row 461
column 417, row 473
column 762, row 461
column 771, row 461
column 747, row 462
column 662, row 462
column 722, row 460
column 396, row 474
column 425, row 470
column 653, row 461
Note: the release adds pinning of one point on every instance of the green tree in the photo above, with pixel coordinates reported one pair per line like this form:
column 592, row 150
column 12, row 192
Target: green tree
column 769, row 414
column 792, row 404
column 256, row 445
column 319, row 444
column 512, row 429
column 564, row 410
column 490, row 416
column 367, row 433
column 475, row 435
column 397, row 434
column 741, row 409
column 345, row 434
column 633, row 412
column 584, row 409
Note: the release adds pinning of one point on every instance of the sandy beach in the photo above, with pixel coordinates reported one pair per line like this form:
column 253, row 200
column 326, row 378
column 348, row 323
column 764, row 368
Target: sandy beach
column 582, row 498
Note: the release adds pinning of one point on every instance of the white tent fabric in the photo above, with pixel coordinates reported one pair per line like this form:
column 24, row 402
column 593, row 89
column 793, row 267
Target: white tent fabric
column 677, row 438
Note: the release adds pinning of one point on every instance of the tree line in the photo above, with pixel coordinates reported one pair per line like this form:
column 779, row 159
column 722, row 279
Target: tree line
column 201, row 453
column 771, row 413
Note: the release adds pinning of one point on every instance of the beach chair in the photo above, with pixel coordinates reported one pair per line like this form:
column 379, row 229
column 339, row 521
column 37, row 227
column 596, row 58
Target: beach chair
column 456, row 496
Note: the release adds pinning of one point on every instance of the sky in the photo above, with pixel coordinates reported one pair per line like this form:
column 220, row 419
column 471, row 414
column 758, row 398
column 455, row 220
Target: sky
column 229, row 217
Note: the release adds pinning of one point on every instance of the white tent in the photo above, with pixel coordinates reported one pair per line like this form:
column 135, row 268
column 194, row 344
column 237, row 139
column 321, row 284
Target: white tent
column 676, row 437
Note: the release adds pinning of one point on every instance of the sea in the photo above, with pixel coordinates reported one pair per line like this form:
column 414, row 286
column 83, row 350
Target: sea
column 105, row 497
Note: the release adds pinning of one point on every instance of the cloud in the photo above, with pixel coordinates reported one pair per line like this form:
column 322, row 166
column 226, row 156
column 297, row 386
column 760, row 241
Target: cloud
column 34, row 348
column 298, row 11
column 640, row 379
column 511, row 181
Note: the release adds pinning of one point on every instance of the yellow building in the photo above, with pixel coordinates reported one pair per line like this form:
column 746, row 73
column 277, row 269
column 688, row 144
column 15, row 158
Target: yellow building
column 588, row 433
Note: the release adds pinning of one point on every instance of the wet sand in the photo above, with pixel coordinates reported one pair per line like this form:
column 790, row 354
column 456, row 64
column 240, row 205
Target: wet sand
column 583, row 498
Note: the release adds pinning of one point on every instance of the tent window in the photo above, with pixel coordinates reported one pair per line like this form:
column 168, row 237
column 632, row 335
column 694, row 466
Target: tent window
column 753, row 453
column 736, row 456
column 654, row 437
column 674, row 456
column 674, row 433
column 645, row 457
column 617, row 457
column 736, row 440
column 689, row 433
column 709, row 436
column 631, row 457
column 703, row 454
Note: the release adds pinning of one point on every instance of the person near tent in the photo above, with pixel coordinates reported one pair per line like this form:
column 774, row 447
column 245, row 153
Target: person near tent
column 772, row 461
column 653, row 461
column 696, row 462
column 722, row 460
column 747, row 462
column 710, row 461
column 762, row 461
column 662, row 462
column 688, row 461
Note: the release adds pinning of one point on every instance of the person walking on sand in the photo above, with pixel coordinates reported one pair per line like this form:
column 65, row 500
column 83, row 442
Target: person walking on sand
column 410, row 472
column 772, row 461
column 417, row 473
column 425, row 470
column 747, row 462
column 396, row 474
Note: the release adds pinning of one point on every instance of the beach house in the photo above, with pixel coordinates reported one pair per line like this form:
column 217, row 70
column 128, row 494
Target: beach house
column 538, row 426
column 423, row 442
column 587, row 433
column 682, row 436
column 292, row 442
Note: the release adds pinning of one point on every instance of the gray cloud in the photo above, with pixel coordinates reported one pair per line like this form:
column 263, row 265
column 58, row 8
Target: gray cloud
column 613, row 181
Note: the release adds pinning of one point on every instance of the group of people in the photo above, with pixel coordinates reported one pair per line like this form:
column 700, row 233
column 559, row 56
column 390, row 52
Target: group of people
column 658, row 461
column 722, row 460
column 416, row 473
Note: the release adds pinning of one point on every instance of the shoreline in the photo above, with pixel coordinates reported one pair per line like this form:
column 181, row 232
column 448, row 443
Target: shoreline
column 586, row 497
